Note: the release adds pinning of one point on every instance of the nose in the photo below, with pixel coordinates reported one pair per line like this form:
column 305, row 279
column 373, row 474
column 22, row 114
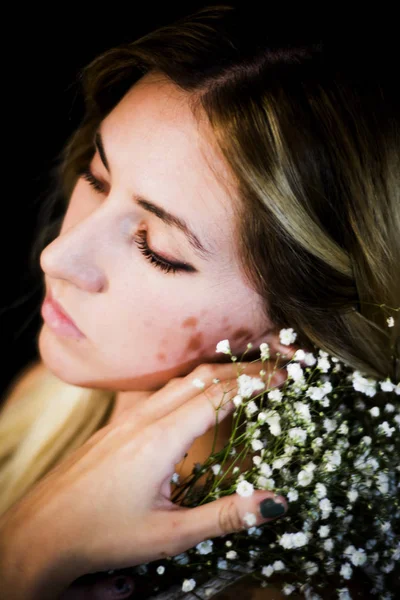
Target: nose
column 71, row 266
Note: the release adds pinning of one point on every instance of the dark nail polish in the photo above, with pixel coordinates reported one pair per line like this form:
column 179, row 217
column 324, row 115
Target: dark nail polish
column 269, row 508
column 123, row 585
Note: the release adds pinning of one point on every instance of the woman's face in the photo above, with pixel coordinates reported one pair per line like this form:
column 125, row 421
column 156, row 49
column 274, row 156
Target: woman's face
column 142, row 323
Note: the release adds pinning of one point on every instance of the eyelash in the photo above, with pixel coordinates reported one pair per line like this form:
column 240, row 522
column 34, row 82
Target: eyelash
column 141, row 236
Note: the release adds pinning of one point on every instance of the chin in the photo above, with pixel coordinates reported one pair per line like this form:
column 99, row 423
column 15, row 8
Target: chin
column 57, row 359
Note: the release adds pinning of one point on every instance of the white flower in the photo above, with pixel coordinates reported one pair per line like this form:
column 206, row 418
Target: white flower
column 273, row 420
column 295, row 371
column 328, row 544
column 302, row 409
column 248, row 385
column 237, row 400
column 250, row 519
column 275, row 395
column 363, row 384
column 278, row 565
column 160, row 570
column 330, row 425
column 251, row 408
column 188, row 585
column 287, row 336
column 264, row 483
column 274, row 425
column 288, row 589
column 305, row 478
column 357, row 557
column 386, row 429
column 267, row 571
column 397, row 389
column 386, row 526
column 367, row 440
column 292, row 495
column 352, row 495
column 293, row 540
column 205, row 547
column 325, row 505
column 317, row 443
column 346, row 571
column 257, row 460
column 298, row 435
column 257, row 445
column 390, row 322
column 332, row 459
column 387, row 385
column 310, row 359
column 216, row 469
column 222, row 564
column 244, row 488
column 231, row 555
column 311, row 567
column 320, row 490
column 280, row 462
column 266, row 470
column 374, row 411
column 323, row 364
column 262, row 417
column 299, row 355
column 175, row 478
column 223, row 347
column 324, row 531
column 382, row 483
column 198, row 383
column 389, row 408
column 264, row 351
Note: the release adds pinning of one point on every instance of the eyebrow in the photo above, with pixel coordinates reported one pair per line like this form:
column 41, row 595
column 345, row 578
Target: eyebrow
column 165, row 216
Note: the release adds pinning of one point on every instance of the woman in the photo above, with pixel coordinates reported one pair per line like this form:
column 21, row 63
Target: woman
column 220, row 186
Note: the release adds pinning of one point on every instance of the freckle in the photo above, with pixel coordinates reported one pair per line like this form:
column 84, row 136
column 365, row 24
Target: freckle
column 194, row 343
column 161, row 356
column 190, row 322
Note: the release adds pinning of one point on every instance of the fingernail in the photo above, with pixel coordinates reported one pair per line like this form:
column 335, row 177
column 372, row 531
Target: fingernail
column 270, row 509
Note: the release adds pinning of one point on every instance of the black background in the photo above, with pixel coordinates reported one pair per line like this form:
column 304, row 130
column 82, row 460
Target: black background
column 43, row 51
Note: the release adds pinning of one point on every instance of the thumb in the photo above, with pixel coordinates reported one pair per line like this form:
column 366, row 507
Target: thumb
column 228, row 515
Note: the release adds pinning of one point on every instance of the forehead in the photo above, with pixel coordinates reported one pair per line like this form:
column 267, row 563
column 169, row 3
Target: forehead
column 153, row 140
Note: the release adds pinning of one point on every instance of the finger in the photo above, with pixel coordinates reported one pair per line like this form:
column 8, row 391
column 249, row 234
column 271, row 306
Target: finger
column 180, row 391
column 223, row 516
column 179, row 429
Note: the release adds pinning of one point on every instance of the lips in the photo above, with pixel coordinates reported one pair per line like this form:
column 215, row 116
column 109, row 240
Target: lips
column 58, row 319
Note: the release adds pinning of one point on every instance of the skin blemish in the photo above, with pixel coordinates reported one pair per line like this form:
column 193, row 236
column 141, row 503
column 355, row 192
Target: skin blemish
column 195, row 343
column 161, row 356
column 190, row 322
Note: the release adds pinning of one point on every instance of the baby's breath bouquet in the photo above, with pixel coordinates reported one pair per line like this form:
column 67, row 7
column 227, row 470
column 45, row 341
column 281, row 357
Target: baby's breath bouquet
column 328, row 440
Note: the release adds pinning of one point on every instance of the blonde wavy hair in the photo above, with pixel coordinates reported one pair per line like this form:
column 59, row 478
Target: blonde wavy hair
column 312, row 137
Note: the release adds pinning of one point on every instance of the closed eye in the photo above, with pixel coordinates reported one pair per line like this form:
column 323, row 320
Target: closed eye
column 141, row 237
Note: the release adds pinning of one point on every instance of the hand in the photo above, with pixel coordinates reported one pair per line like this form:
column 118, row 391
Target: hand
column 107, row 505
